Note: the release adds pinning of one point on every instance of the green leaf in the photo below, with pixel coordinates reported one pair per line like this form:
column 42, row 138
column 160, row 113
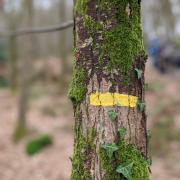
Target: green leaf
column 122, row 132
column 126, row 170
column 110, row 149
column 112, row 115
column 139, row 73
column 141, row 106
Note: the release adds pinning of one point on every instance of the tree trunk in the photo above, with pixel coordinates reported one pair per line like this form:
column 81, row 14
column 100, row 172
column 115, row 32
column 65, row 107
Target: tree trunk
column 1, row 5
column 13, row 20
column 107, row 92
column 26, row 75
column 13, row 62
column 63, row 47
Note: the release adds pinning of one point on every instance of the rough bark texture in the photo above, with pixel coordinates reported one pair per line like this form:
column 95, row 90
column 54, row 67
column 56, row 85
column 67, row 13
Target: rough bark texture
column 108, row 49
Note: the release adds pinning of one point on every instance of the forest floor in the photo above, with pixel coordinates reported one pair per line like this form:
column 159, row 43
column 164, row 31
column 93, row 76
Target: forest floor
column 52, row 114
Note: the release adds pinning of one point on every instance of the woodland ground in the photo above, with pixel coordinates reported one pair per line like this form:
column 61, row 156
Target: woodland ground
column 52, row 114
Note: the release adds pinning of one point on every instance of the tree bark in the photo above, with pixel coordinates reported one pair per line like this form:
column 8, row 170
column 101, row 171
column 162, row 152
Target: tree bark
column 107, row 91
column 13, row 63
column 1, row 5
column 63, row 47
column 26, row 75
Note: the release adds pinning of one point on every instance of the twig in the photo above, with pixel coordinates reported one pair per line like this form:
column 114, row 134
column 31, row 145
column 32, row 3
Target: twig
column 27, row 31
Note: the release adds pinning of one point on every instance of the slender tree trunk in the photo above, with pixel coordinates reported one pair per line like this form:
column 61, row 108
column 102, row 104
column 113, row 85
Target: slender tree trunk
column 63, row 46
column 13, row 51
column 107, row 92
column 1, row 5
column 13, row 62
column 169, row 18
column 13, row 20
column 26, row 75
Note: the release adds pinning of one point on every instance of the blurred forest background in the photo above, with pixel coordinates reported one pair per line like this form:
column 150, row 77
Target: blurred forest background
column 35, row 71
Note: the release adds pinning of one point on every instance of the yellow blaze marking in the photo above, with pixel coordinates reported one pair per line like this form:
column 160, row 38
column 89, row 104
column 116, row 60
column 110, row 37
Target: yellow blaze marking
column 112, row 99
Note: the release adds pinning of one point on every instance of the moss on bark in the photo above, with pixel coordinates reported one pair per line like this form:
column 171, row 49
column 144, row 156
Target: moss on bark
column 78, row 89
column 84, row 146
column 79, row 171
column 124, row 41
column 126, row 153
column 81, row 6
column 121, row 42
column 20, row 132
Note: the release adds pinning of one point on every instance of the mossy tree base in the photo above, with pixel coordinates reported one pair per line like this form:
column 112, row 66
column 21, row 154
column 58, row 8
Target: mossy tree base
column 20, row 132
column 108, row 50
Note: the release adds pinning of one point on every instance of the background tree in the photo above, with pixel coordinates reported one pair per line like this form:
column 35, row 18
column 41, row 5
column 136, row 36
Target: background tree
column 1, row 5
column 13, row 19
column 107, row 91
column 160, row 19
column 26, row 75
column 63, row 44
column 13, row 57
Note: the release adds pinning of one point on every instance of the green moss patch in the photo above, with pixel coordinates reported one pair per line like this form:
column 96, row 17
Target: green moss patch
column 83, row 148
column 20, row 132
column 81, row 6
column 121, row 43
column 79, row 172
column 126, row 154
column 124, row 42
column 77, row 90
column 36, row 145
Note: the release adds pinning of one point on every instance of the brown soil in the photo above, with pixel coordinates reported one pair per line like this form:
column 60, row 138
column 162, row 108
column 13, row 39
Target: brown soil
column 53, row 115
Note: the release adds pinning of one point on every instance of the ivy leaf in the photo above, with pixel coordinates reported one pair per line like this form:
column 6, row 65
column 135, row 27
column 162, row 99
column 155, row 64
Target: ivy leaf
column 139, row 73
column 110, row 149
column 122, row 132
column 112, row 115
column 141, row 106
column 126, row 170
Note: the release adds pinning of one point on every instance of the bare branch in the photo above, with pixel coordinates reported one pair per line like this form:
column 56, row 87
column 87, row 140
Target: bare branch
column 27, row 31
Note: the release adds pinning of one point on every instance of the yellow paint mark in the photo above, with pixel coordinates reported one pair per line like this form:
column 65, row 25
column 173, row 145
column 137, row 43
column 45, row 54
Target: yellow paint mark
column 112, row 99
